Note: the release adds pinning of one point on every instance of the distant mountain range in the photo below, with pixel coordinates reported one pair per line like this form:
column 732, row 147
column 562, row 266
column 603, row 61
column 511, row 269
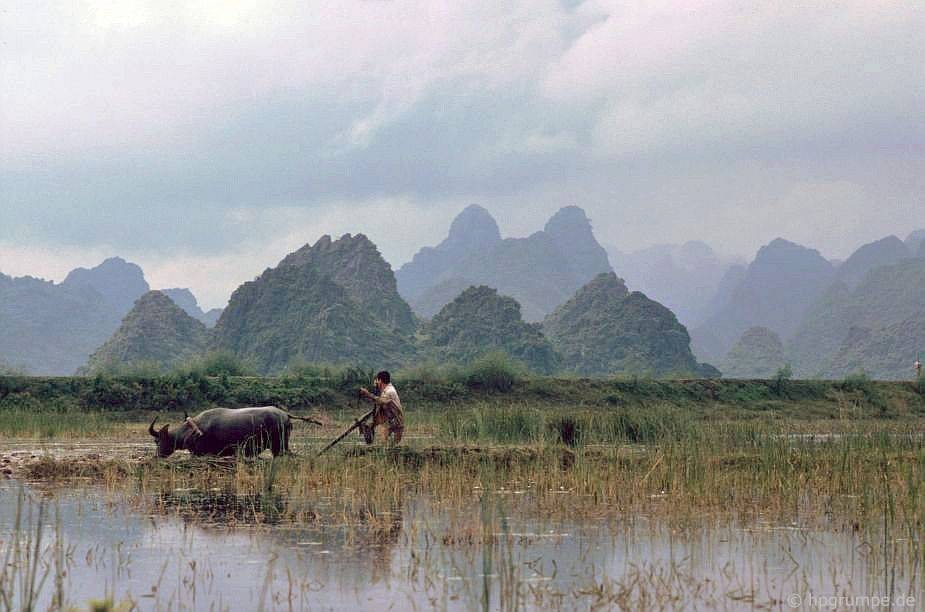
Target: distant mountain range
column 480, row 320
column 778, row 288
column 52, row 328
column 337, row 301
column 185, row 299
column 685, row 278
column 861, row 315
column 541, row 271
column 605, row 328
column 156, row 332
column 334, row 302
column 549, row 300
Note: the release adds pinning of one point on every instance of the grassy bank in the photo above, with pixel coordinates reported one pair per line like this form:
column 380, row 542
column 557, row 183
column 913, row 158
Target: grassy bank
column 333, row 389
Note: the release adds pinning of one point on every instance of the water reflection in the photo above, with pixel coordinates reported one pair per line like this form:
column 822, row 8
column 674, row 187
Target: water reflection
column 203, row 550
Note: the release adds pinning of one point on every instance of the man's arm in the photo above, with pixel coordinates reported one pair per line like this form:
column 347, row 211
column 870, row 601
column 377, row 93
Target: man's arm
column 381, row 400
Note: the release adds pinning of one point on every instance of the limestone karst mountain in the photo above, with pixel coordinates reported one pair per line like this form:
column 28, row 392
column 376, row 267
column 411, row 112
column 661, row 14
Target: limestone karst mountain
column 685, row 277
column 885, row 352
column 51, row 329
column 118, row 281
column 853, row 328
column 473, row 230
column 156, row 332
column 540, row 271
column 185, row 299
column 332, row 302
column 355, row 264
column 883, row 252
column 606, row 329
column 480, row 321
column 759, row 353
column 779, row 287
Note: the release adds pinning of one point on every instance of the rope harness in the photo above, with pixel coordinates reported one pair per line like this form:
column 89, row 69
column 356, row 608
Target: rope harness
column 195, row 427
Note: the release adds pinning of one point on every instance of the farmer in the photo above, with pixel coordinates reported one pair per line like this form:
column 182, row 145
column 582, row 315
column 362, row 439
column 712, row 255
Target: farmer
column 387, row 410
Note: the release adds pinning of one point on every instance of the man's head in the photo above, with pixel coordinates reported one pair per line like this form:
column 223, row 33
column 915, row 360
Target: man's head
column 383, row 378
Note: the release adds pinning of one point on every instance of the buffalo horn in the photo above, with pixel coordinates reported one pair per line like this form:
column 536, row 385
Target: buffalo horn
column 151, row 428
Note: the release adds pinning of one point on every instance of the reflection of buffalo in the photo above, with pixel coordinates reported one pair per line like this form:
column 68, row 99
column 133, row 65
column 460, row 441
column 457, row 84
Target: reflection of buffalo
column 226, row 431
column 225, row 508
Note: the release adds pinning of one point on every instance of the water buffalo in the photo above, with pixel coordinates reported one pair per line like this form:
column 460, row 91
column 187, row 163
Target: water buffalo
column 228, row 431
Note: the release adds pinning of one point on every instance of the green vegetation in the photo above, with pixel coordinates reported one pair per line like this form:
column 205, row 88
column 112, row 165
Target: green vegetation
column 354, row 264
column 480, row 321
column 494, row 379
column 296, row 314
column 605, row 329
column 155, row 334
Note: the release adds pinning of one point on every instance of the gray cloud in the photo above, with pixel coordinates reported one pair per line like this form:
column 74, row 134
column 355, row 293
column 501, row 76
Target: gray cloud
column 176, row 133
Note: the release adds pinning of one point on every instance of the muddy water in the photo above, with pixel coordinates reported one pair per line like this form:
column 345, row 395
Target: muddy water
column 198, row 551
column 208, row 550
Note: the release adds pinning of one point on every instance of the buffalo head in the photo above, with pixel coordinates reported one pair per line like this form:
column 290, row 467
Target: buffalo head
column 165, row 442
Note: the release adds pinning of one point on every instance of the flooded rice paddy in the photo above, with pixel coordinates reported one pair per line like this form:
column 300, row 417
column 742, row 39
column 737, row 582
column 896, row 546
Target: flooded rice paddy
column 248, row 539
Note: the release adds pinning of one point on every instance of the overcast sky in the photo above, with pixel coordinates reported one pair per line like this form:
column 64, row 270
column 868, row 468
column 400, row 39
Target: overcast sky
column 205, row 141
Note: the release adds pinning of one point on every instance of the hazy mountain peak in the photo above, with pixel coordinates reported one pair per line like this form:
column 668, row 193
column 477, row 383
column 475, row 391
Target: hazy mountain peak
column 473, row 230
column 915, row 240
column 568, row 220
column 784, row 252
column 156, row 331
column 605, row 329
column 883, row 252
column 571, row 231
column 696, row 248
column 475, row 226
column 777, row 290
column 185, row 299
column 118, row 281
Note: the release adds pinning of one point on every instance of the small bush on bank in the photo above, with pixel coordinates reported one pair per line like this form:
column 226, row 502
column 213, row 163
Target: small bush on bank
column 493, row 372
column 218, row 363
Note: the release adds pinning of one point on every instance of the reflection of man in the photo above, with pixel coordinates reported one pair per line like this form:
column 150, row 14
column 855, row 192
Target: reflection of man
column 387, row 410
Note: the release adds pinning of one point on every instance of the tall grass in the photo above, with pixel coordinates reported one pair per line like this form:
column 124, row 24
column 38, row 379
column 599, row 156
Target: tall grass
column 524, row 424
column 25, row 571
column 46, row 424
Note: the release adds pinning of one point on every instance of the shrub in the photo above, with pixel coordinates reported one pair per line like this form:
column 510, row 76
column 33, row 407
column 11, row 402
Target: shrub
column 493, row 372
column 219, row 363
column 782, row 375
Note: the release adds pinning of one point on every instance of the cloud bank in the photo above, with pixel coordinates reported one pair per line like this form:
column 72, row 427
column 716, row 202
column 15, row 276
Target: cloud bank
column 188, row 137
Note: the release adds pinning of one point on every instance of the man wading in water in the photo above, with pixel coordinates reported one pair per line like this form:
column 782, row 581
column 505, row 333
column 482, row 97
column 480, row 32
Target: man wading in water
column 387, row 409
